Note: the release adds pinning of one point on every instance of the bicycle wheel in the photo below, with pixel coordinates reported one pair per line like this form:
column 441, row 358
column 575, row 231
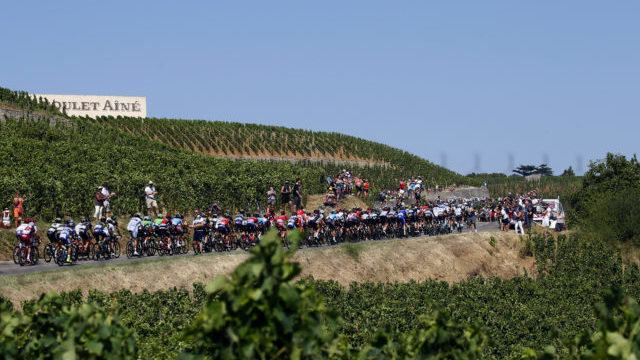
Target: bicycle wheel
column 47, row 253
column 116, row 249
column 59, row 255
column 129, row 250
column 16, row 254
column 185, row 246
column 151, row 247
column 35, row 255
column 22, row 256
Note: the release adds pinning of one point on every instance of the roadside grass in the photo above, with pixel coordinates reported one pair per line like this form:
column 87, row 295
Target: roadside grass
column 448, row 258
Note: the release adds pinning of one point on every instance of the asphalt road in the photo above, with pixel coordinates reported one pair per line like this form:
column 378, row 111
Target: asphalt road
column 9, row 268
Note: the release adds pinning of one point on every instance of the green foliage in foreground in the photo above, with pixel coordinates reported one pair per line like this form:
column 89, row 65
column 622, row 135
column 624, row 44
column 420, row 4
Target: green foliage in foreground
column 51, row 329
column 261, row 313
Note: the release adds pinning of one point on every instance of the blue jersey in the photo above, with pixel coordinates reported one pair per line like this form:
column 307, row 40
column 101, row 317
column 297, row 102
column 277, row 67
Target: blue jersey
column 177, row 221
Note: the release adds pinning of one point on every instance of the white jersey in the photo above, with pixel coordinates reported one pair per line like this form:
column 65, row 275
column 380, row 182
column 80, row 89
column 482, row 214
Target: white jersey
column 134, row 224
column 80, row 228
column 26, row 229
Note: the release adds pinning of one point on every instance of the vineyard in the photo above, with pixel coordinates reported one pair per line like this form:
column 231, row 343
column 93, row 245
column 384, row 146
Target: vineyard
column 578, row 292
column 238, row 140
column 57, row 166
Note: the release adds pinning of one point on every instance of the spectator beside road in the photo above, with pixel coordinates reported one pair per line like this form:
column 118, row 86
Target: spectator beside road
column 6, row 218
column 18, row 209
column 365, row 188
column 358, row 183
column 285, row 196
column 271, row 199
column 107, row 201
column 297, row 194
column 150, row 194
column 98, row 203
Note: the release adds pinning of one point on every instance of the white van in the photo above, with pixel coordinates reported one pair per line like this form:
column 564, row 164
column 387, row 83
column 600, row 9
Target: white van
column 556, row 216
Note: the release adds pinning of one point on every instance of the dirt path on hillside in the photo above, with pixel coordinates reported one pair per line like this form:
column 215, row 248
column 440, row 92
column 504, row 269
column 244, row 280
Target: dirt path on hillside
column 449, row 258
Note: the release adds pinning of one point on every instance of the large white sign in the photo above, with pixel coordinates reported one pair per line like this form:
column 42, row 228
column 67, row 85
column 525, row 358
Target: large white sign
column 98, row 105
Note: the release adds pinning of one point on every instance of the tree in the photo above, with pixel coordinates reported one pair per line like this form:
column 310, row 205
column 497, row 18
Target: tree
column 525, row 170
column 568, row 172
column 544, row 170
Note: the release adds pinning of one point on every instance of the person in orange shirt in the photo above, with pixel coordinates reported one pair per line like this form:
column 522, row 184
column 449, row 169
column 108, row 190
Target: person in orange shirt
column 17, row 209
column 365, row 187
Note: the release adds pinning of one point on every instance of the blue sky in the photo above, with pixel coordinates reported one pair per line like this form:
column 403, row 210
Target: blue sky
column 468, row 83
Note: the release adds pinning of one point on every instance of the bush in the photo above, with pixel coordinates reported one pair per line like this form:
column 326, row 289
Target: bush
column 262, row 314
column 51, row 329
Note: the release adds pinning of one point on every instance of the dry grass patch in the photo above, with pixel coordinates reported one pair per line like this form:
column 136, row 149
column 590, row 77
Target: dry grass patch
column 449, row 258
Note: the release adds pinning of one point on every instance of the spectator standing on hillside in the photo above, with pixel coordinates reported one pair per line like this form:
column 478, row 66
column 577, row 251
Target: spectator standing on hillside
column 6, row 218
column 271, row 199
column 150, row 194
column 285, row 196
column 18, row 209
column 358, row 182
column 518, row 216
column 98, row 204
column 529, row 215
column 107, row 201
column 297, row 194
column 214, row 209
column 365, row 188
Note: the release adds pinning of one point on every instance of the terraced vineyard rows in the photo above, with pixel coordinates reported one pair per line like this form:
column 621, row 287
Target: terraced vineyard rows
column 249, row 140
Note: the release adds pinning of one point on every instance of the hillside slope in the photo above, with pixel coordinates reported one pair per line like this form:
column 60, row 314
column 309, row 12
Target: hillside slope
column 57, row 161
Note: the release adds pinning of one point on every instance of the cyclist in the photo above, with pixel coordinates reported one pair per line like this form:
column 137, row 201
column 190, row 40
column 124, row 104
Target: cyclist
column 83, row 230
column 52, row 232
column 178, row 225
column 135, row 224
column 251, row 228
column 291, row 222
column 222, row 226
column 332, row 220
column 66, row 234
column 281, row 223
column 315, row 223
column 101, row 234
column 199, row 228
column 112, row 227
column 401, row 218
column 263, row 223
column 26, row 233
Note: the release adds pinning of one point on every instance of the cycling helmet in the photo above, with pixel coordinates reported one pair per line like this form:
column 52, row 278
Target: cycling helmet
column 110, row 221
column 160, row 216
column 113, row 217
column 147, row 218
column 138, row 215
column 71, row 223
column 58, row 220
